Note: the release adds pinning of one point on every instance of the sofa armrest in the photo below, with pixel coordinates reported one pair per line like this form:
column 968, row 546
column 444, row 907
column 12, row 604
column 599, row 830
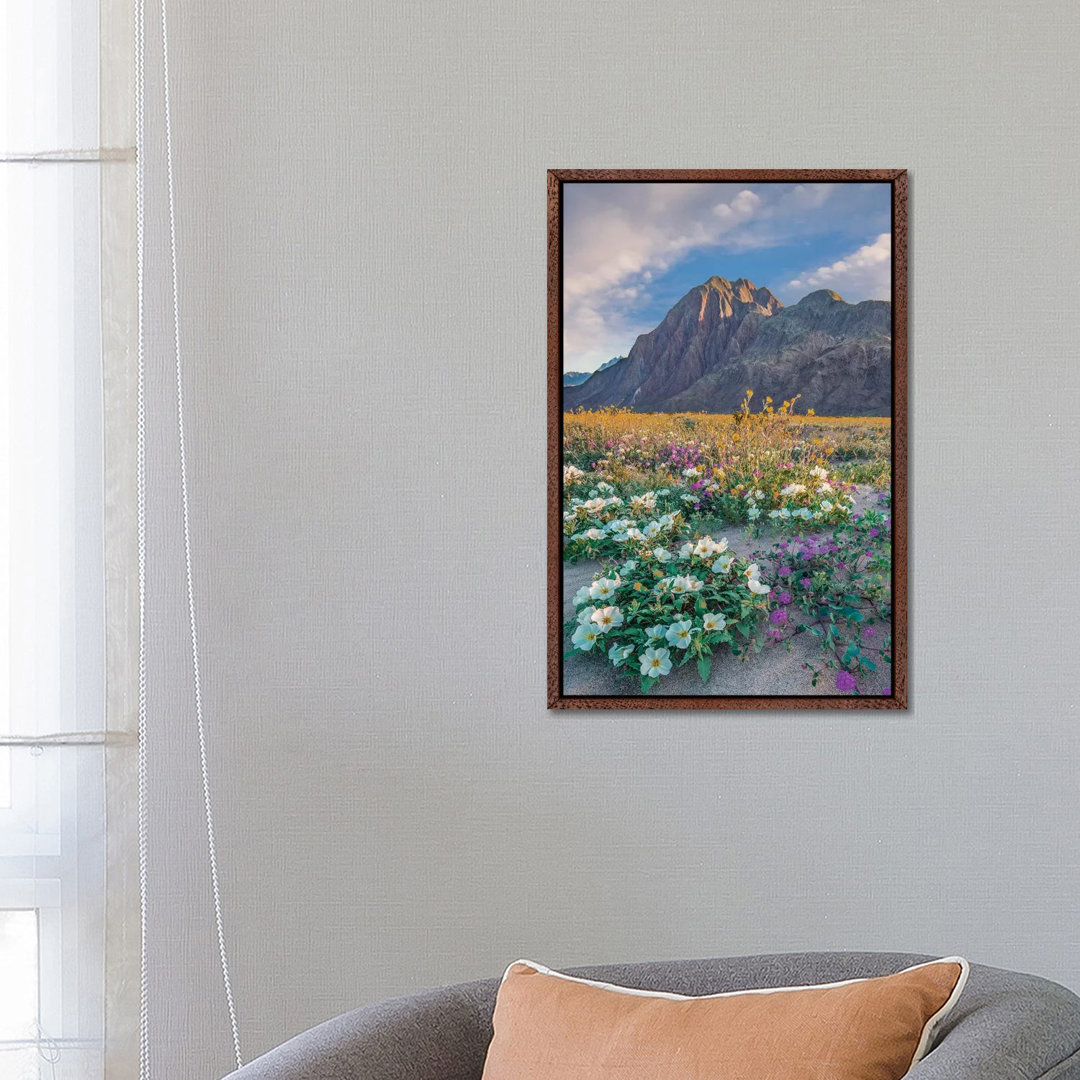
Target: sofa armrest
column 438, row 1035
column 1007, row 1026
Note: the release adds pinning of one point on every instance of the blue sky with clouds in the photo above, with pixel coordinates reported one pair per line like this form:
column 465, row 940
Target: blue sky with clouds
column 631, row 250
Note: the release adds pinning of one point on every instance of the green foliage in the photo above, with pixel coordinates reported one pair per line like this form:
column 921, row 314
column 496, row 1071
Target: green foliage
column 838, row 588
column 663, row 609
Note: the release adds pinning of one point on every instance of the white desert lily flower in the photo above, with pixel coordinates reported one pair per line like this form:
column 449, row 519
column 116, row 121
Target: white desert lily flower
column 585, row 615
column 723, row 564
column 603, row 588
column 594, row 534
column 655, row 662
column 594, row 506
column 607, row 618
column 661, row 554
column 757, row 588
column 678, row 634
column 656, row 633
column 619, row 654
column 752, row 571
column 585, row 637
column 712, row 623
column 581, row 595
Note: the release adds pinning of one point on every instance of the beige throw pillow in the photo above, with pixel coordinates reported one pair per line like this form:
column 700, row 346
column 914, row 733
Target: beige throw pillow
column 550, row 1026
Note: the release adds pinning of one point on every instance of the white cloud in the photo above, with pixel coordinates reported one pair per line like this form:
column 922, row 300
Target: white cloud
column 617, row 237
column 865, row 274
column 620, row 238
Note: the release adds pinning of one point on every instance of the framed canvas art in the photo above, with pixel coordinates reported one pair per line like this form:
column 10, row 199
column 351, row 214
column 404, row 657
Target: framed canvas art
column 727, row 439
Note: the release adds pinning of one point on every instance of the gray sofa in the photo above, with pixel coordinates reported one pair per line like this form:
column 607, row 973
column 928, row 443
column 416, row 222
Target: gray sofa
column 1006, row 1026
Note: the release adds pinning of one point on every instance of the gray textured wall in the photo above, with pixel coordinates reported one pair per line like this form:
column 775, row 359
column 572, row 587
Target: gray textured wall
column 361, row 208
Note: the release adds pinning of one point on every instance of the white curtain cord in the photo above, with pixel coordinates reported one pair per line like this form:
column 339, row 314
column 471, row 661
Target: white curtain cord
column 211, row 847
column 140, row 240
column 140, row 198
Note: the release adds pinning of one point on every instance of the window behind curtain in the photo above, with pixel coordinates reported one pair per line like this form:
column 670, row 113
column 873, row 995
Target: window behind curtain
column 52, row 576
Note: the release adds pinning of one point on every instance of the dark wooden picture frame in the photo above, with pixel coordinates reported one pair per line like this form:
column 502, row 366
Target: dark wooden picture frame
column 896, row 696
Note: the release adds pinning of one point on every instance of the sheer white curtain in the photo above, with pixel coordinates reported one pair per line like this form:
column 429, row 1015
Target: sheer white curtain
column 59, row 245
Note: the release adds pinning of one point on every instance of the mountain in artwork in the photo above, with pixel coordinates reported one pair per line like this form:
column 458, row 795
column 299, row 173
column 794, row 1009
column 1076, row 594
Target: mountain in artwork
column 724, row 337
column 576, row 378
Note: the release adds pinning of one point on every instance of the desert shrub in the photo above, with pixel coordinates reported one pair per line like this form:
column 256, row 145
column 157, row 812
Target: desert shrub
column 837, row 587
column 664, row 609
column 601, row 523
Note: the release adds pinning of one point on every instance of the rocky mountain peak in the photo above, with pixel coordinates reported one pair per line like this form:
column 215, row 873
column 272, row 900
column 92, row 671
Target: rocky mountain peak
column 724, row 336
column 728, row 298
column 821, row 298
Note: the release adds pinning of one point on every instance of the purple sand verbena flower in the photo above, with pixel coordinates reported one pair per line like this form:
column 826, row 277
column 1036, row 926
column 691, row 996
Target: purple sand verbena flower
column 805, row 582
column 873, row 532
column 778, row 616
column 784, row 571
column 868, row 632
column 845, row 682
column 784, row 598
